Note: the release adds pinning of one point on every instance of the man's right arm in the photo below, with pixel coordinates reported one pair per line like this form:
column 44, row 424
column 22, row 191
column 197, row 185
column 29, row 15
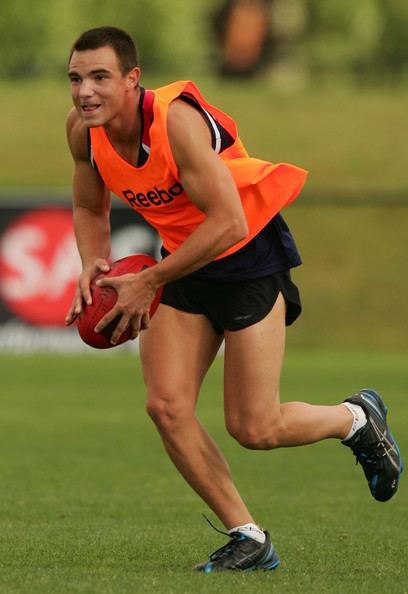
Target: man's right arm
column 91, row 208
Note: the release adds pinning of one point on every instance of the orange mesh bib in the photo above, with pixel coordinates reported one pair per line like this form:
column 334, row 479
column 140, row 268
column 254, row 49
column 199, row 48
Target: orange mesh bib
column 154, row 189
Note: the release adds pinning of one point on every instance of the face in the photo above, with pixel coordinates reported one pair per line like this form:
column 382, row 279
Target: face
column 100, row 92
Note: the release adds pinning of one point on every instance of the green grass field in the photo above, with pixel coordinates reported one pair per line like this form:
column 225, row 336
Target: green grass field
column 90, row 503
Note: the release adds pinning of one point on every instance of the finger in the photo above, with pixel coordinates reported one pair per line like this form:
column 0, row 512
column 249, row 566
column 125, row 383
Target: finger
column 135, row 327
column 110, row 281
column 145, row 321
column 85, row 294
column 75, row 309
column 119, row 330
column 70, row 317
column 103, row 265
column 115, row 281
column 107, row 319
column 70, row 313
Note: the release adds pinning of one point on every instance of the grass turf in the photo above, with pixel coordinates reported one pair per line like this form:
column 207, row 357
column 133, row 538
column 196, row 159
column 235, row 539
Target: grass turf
column 90, row 503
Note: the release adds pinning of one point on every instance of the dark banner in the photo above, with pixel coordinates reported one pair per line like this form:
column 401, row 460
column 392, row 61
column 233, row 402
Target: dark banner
column 39, row 268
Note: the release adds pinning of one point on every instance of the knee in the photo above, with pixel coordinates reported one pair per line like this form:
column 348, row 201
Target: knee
column 166, row 410
column 256, row 435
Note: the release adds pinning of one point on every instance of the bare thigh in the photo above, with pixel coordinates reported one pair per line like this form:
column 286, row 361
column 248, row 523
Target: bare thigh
column 253, row 365
column 176, row 352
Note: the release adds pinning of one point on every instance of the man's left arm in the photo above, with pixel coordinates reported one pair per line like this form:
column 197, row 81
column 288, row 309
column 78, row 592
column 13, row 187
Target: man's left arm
column 210, row 186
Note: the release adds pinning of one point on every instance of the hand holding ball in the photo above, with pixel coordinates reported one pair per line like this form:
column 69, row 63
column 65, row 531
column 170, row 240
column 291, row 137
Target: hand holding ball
column 104, row 299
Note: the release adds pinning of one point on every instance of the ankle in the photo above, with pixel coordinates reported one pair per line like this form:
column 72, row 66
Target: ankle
column 358, row 420
column 250, row 530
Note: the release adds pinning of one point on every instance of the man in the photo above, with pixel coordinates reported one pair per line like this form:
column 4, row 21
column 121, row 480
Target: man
column 227, row 253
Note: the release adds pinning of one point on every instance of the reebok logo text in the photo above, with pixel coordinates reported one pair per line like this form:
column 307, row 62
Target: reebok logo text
column 154, row 197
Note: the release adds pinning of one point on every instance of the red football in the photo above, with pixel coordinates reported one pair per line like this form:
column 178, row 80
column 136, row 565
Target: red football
column 104, row 298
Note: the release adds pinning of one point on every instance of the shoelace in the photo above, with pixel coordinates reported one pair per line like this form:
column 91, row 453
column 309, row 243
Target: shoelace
column 229, row 546
column 228, row 549
column 370, row 455
column 215, row 527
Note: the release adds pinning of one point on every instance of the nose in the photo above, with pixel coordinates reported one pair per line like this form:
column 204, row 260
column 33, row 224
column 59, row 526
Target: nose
column 85, row 89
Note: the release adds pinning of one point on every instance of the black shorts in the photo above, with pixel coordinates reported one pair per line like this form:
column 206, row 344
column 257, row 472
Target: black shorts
column 234, row 305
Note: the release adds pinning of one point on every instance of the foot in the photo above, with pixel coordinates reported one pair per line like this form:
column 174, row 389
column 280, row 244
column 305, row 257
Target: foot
column 375, row 447
column 242, row 553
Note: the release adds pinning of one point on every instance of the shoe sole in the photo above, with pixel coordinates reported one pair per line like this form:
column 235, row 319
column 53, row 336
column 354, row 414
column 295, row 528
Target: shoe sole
column 271, row 566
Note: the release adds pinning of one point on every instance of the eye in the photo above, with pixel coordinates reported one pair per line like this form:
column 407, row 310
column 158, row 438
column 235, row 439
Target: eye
column 74, row 80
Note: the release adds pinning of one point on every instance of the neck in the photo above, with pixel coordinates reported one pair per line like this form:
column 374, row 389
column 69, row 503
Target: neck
column 126, row 126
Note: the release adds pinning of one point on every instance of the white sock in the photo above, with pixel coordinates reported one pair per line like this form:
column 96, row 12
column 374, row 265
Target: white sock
column 250, row 530
column 359, row 419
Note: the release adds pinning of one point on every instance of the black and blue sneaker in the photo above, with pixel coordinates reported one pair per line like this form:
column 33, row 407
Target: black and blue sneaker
column 375, row 447
column 242, row 553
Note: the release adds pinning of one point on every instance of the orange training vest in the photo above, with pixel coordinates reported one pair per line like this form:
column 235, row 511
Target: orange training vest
column 154, row 189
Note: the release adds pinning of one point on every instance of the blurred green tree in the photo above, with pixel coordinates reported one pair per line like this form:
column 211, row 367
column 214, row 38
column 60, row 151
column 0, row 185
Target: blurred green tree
column 24, row 38
column 363, row 38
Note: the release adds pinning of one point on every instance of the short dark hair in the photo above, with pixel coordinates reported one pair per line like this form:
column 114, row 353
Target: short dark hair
column 120, row 41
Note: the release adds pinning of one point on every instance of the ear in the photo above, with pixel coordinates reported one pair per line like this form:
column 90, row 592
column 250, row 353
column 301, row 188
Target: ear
column 133, row 78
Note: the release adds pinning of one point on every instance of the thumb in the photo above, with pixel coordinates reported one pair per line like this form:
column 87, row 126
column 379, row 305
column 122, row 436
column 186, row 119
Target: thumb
column 103, row 265
column 110, row 281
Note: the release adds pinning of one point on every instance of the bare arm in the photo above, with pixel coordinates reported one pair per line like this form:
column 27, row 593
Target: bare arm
column 91, row 207
column 210, row 186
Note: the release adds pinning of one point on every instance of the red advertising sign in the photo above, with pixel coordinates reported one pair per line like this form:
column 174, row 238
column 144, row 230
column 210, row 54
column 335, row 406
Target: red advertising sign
column 39, row 266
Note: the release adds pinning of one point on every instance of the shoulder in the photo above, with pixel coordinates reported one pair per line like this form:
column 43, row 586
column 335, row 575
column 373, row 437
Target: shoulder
column 179, row 110
column 185, row 122
column 77, row 135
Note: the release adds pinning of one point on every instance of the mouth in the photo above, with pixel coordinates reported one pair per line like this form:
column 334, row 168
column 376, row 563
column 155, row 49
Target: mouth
column 90, row 108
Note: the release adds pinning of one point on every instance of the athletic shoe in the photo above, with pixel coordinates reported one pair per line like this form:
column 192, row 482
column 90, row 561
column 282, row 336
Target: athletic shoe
column 242, row 553
column 375, row 447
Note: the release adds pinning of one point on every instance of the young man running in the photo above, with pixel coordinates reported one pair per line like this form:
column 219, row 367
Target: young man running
column 227, row 252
